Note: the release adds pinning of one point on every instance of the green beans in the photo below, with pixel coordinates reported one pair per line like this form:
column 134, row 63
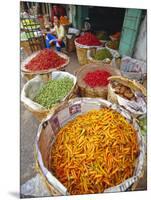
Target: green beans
column 53, row 91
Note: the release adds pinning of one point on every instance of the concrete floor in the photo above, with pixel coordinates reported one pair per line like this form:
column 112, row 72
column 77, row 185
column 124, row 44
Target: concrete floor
column 29, row 126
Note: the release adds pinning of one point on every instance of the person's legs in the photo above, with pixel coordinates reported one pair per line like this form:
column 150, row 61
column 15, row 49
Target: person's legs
column 58, row 46
column 49, row 37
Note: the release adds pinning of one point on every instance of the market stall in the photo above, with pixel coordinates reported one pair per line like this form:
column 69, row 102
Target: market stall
column 90, row 113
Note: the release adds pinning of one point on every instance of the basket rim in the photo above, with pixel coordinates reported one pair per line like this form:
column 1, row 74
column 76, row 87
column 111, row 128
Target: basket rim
column 85, row 46
column 29, row 58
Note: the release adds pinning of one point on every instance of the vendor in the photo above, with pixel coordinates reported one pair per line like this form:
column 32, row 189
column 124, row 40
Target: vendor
column 56, row 35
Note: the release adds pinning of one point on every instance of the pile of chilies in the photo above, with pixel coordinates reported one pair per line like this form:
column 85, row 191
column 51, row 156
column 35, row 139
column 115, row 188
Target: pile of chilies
column 88, row 39
column 45, row 60
column 94, row 151
column 97, row 78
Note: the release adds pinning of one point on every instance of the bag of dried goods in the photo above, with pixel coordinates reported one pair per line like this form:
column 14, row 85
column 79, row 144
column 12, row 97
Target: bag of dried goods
column 89, row 146
column 128, row 93
column 42, row 97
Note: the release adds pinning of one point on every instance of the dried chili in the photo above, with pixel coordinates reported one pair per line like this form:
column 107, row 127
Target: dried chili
column 45, row 60
column 88, row 39
column 97, row 78
column 91, row 153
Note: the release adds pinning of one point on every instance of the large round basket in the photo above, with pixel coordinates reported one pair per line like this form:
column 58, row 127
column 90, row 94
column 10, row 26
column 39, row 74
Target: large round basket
column 87, row 91
column 28, row 74
column 32, row 86
column 47, row 133
column 82, row 52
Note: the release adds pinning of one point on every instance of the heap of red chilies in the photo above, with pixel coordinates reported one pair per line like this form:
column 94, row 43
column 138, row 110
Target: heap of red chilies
column 97, row 78
column 45, row 60
column 88, row 39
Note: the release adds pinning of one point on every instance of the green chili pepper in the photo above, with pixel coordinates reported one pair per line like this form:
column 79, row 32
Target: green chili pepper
column 53, row 91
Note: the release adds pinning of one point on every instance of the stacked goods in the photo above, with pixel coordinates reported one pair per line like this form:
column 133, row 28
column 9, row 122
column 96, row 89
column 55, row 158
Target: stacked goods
column 53, row 91
column 83, row 44
column 127, row 93
column 45, row 60
column 93, row 79
column 94, row 151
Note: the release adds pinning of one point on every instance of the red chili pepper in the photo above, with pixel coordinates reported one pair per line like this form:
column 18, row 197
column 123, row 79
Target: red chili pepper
column 88, row 39
column 45, row 60
column 97, row 78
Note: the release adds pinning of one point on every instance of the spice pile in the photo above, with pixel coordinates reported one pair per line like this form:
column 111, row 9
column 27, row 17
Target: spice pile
column 45, row 60
column 103, row 54
column 53, row 91
column 97, row 78
column 94, row 151
column 88, row 39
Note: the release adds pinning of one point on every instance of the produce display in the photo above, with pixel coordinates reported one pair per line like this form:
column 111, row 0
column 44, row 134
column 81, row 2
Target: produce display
column 102, row 36
column 94, row 151
column 97, row 78
column 102, row 54
column 88, row 39
column 53, row 91
column 64, row 20
column 113, row 44
column 29, row 23
column 123, row 90
column 44, row 60
column 143, row 125
column 116, row 36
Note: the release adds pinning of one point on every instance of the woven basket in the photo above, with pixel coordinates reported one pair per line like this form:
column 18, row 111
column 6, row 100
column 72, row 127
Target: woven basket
column 28, row 74
column 86, row 91
column 112, row 97
column 82, row 52
column 90, row 54
column 45, row 138
column 41, row 113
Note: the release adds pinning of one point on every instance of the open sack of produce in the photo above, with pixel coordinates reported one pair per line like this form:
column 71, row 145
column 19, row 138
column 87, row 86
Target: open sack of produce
column 128, row 93
column 92, row 79
column 89, row 145
column 43, row 62
column 101, row 54
column 83, row 43
column 42, row 97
